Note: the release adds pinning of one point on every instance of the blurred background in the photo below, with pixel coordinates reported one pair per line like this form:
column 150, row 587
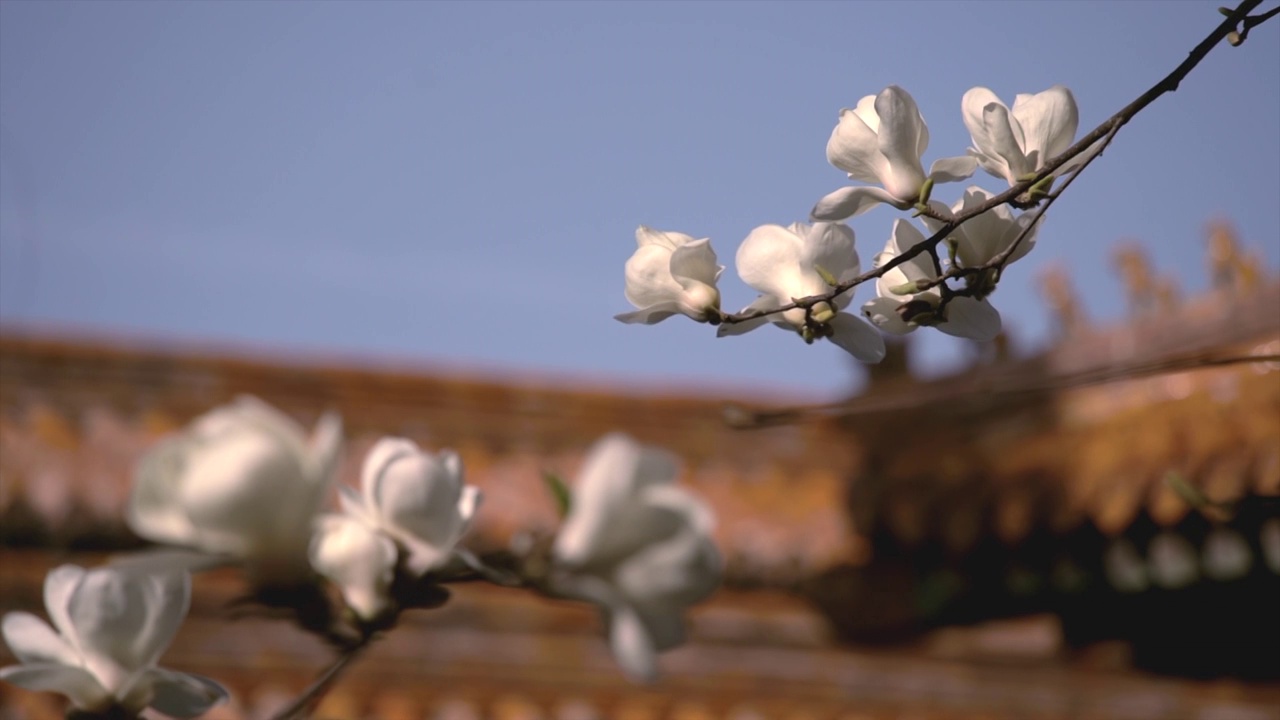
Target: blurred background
column 418, row 214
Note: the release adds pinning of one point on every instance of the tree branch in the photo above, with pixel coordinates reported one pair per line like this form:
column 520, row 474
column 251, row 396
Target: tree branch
column 1107, row 129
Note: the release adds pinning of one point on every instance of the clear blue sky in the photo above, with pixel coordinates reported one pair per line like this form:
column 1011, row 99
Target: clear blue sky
column 459, row 184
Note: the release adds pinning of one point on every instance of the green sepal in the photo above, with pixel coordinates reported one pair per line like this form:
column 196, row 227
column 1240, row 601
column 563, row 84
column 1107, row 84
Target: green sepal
column 559, row 492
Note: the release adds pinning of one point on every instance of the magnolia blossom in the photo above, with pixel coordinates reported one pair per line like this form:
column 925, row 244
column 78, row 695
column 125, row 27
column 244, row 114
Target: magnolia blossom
column 1012, row 144
column 637, row 546
column 899, row 309
column 408, row 498
column 242, row 481
column 671, row 273
column 881, row 141
column 981, row 238
column 109, row 629
column 797, row 262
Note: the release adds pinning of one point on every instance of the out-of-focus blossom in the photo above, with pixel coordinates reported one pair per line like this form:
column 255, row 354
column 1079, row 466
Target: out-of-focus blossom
column 899, row 309
column 637, row 546
column 1012, row 144
column 109, row 629
column 409, row 499
column 669, row 274
column 416, row 498
column 801, row 261
column 881, row 141
column 241, row 481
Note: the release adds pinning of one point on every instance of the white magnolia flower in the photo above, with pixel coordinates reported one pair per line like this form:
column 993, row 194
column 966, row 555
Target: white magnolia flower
column 416, row 498
column 985, row 236
column 881, row 142
column 357, row 558
column 241, row 481
column 787, row 264
column 1012, row 144
column 902, row 312
column 109, row 629
column 408, row 498
column 637, row 546
column 671, row 273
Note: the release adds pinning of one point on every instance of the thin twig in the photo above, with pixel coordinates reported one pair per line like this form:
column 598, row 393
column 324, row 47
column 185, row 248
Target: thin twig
column 315, row 692
column 1110, row 126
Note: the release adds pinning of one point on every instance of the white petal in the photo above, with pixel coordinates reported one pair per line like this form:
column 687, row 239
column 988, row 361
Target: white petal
column 59, row 585
column 673, row 571
column 904, row 237
column 696, row 261
column 648, row 277
column 631, row 645
column 125, row 620
column 418, row 496
column 183, row 695
column 76, row 683
column 376, row 461
column 973, row 107
column 1003, row 134
column 972, row 319
column 650, row 315
column 154, row 510
column 762, row 303
column 855, row 149
column 830, row 246
column 32, row 640
column 359, row 560
column 849, row 202
column 952, row 169
column 883, row 313
column 325, row 449
column 669, row 240
column 857, row 338
column 902, row 140
column 1048, row 121
column 603, row 520
column 769, row 261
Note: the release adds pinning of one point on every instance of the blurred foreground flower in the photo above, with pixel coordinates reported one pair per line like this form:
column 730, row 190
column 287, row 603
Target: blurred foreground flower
column 242, row 481
column 670, row 273
column 410, row 499
column 800, row 261
column 881, row 142
column 637, row 546
column 109, row 629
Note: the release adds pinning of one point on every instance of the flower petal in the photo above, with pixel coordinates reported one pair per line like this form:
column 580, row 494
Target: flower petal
column 325, row 448
column 830, row 246
column 973, row 107
column 1003, row 135
column 857, row 338
column 183, row 695
column 632, row 646
column 76, row 683
column 849, row 202
column 417, row 496
column 650, row 315
column 358, row 559
column 1049, row 120
column 32, row 640
column 604, row 521
column 952, row 169
column 59, row 585
column 769, row 260
column 854, row 147
column 696, row 260
column 669, row 240
column 883, row 313
column 762, row 303
column 903, row 138
column 376, row 461
column 973, row 319
column 154, row 511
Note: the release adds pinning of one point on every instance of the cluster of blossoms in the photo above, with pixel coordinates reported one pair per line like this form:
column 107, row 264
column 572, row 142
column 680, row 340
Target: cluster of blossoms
column 806, row 273
column 245, row 485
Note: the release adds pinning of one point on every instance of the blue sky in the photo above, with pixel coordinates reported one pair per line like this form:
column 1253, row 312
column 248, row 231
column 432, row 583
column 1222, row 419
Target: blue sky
column 458, row 185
